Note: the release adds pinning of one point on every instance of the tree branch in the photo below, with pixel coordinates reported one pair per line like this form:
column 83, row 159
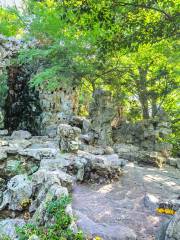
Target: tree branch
column 168, row 16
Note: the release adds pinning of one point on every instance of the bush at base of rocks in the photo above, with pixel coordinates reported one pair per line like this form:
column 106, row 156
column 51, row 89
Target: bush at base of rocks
column 58, row 230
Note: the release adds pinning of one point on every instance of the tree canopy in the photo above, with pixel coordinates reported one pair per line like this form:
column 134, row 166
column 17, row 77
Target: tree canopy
column 127, row 46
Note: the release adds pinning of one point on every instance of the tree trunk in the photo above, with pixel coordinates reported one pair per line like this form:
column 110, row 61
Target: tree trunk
column 142, row 92
column 154, row 106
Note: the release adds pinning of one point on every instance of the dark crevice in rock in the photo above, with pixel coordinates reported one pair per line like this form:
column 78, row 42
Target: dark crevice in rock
column 6, row 213
column 22, row 103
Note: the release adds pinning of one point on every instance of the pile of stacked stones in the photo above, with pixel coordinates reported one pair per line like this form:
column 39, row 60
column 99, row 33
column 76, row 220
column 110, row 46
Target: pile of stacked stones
column 143, row 141
column 35, row 170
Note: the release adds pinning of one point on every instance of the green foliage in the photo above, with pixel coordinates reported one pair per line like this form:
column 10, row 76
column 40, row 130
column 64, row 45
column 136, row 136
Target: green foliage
column 128, row 47
column 5, row 238
column 59, row 230
column 10, row 23
column 172, row 107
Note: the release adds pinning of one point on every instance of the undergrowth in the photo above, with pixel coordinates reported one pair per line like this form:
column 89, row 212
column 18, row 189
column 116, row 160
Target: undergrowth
column 60, row 230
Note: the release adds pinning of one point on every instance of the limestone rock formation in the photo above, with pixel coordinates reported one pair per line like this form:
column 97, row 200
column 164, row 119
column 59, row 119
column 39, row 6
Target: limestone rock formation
column 96, row 168
column 69, row 138
column 47, row 185
column 134, row 153
column 36, row 110
column 21, row 135
column 3, row 132
column 8, row 228
column 151, row 201
column 14, row 162
column 19, row 189
column 102, row 113
column 105, row 231
column 144, row 134
column 173, row 229
column 57, row 107
column 175, row 162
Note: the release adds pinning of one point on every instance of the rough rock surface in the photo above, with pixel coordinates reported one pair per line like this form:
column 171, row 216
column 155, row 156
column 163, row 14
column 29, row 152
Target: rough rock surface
column 8, row 228
column 19, row 189
column 21, row 135
column 47, row 185
column 69, row 138
column 96, row 168
column 36, row 110
column 145, row 134
column 173, row 229
column 22, row 108
column 57, row 107
column 14, row 163
column 102, row 113
column 175, row 162
column 134, row 153
column 105, row 231
column 3, row 132
column 121, row 201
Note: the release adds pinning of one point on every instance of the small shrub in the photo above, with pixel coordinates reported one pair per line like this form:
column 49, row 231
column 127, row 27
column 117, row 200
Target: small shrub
column 60, row 230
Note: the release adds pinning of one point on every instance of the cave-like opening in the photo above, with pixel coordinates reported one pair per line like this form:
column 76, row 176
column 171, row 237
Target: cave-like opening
column 22, row 108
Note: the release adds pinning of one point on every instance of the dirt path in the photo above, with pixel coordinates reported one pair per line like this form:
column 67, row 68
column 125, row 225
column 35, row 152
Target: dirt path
column 122, row 203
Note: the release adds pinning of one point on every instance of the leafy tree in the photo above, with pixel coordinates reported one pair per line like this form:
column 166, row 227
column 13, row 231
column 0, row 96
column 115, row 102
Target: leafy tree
column 10, row 23
column 127, row 46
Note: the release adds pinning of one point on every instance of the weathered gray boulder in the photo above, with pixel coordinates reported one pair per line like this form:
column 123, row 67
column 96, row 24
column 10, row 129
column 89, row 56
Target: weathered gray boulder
column 173, row 228
column 40, row 216
column 38, row 206
column 68, row 138
column 8, row 228
column 150, row 201
column 108, row 150
column 105, row 168
column 47, row 185
column 77, row 121
column 57, row 107
column 51, row 131
column 21, row 134
column 178, row 163
column 86, row 126
column 96, row 168
column 39, row 152
column 19, row 189
column 87, row 138
column 60, row 162
column 3, row 132
column 3, row 155
column 111, row 232
column 81, row 122
column 126, row 151
column 43, row 176
column 145, row 134
column 153, row 158
column 14, row 162
column 17, row 145
column 134, row 153
column 175, row 162
column 4, row 143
